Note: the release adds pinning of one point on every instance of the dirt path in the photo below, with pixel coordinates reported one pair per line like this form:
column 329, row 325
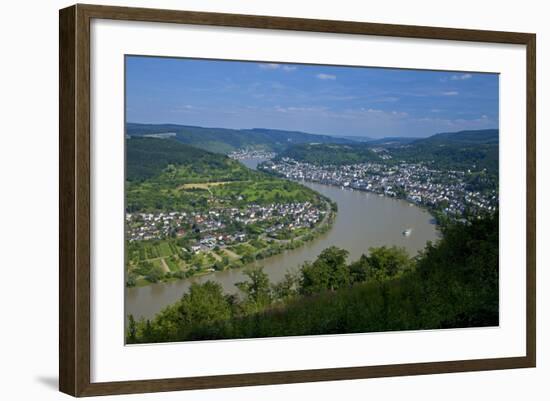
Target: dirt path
column 204, row 185
column 164, row 265
column 231, row 254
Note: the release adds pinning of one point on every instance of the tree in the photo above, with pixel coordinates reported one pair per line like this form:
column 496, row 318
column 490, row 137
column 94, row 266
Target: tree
column 148, row 332
column 203, row 304
column 286, row 288
column 359, row 270
column 154, row 274
column 132, row 330
column 257, row 290
column 386, row 262
column 328, row 272
column 131, row 280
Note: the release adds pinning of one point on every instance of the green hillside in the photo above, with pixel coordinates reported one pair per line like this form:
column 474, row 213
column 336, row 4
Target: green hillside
column 475, row 150
column 485, row 137
column 338, row 154
column 164, row 174
column 149, row 157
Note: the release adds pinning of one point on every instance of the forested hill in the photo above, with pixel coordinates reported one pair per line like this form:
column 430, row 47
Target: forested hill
column 481, row 137
column 223, row 140
column 459, row 150
column 323, row 154
column 149, row 157
column 166, row 175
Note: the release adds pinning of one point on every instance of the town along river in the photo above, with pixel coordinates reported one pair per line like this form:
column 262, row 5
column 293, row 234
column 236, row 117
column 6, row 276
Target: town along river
column 363, row 220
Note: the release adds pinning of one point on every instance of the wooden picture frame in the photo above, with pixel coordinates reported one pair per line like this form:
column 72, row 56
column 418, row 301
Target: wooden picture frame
column 74, row 199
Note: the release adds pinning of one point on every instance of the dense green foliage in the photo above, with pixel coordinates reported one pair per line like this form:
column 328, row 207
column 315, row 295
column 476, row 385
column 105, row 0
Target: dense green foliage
column 323, row 154
column 475, row 150
column 223, row 140
column 151, row 157
column 451, row 284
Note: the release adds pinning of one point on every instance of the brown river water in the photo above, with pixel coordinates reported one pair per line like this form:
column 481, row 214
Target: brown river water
column 363, row 220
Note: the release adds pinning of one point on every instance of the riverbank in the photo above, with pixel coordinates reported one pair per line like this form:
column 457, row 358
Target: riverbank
column 251, row 247
column 438, row 216
column 435, row 214
column 363, row 220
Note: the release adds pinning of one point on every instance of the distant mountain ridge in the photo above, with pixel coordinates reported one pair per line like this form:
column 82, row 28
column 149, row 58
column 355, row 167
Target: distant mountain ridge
column 358, row 138
column 456, row 150
column 393, row 141
column 474, row 149
column 225, row 140
column 459, row 149
column 486, row 136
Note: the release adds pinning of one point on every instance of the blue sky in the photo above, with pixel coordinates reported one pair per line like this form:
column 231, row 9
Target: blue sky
column 358, row 101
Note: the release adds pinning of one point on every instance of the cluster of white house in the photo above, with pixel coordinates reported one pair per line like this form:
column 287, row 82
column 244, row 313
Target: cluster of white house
column 249, row 153
column 216, row 227
column 446, row 190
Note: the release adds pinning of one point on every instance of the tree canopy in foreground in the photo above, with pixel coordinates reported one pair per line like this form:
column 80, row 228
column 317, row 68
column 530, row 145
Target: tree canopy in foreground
column 451, row 284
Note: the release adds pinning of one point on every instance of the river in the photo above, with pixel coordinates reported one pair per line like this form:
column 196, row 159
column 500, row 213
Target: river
column 363, row 220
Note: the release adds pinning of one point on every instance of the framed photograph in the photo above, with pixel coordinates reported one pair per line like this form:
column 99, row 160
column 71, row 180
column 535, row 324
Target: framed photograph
column 250, row 200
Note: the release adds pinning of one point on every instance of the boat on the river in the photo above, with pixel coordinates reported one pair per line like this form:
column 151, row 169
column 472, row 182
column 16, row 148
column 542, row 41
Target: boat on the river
column 407, row 232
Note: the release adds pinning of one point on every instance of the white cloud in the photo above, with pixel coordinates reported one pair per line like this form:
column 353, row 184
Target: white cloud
column 385, row 99
column 450, row 93
column 275, row 66
column 300, row 109
column 185, row 108
column 371, row 114
column 269, row 66
column 326, row 76
column 461, row 77
column 458, row 123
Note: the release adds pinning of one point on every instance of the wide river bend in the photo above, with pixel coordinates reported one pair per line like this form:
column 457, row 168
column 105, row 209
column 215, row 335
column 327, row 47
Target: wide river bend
column 363, row 220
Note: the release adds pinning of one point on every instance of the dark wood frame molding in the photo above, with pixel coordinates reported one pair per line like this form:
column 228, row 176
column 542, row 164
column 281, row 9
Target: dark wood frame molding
column 74, row 199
